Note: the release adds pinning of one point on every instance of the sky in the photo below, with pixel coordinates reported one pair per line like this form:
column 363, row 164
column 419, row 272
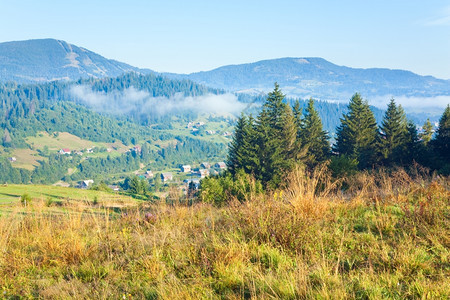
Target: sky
column 190, row 36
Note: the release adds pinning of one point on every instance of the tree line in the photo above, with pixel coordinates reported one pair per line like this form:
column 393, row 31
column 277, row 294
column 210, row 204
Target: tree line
column 282, row 136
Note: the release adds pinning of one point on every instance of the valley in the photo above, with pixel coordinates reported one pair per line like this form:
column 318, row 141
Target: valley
column 290, row 178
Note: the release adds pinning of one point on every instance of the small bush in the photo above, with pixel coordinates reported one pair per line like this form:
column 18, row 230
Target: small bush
column 49, row 201
column 219, row 190
column 343, row 165
column 25, row 199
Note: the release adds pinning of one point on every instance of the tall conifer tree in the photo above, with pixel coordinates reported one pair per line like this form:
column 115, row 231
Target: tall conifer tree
column 236, row 148
column 414, row 149
column 393, row 135
column 275, row 143
column 357, row 133
column 313, row 137
column 427, row 133
column 300, row 150
column 442, row 140
column 272, row 140
column 297, row 111
column 242, row 151
column 288, row 136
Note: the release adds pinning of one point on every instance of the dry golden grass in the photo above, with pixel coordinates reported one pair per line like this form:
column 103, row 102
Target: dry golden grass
column 368, row 243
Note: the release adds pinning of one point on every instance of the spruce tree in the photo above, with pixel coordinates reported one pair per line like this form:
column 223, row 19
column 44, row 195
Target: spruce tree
column 442, row 139
column 357, row 133
column 235, row 149
column 135, row 186
column 393, row 135
column 242, row 151
column 297, row 111
column 427, row 133
column 300, row 150
column 313, row 137
column 414, row 149
column 264, row 147
column 6, row 140
column 288, row 136
column 275, row 141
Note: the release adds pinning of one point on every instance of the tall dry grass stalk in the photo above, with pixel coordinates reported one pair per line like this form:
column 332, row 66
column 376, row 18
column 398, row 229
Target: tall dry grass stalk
column 310, row 193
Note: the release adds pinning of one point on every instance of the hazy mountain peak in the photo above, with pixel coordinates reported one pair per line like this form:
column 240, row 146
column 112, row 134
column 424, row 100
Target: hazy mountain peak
column 316, row 77
column 43, row 60
column 50, row 59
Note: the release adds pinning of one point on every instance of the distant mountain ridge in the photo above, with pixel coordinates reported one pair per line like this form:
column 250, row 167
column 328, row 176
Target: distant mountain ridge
column 318, row 78
column 46, row 60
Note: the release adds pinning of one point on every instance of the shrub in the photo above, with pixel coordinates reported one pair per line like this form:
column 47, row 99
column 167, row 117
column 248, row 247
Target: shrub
column 49, row 201
column 219, row 190
column 343, row 165
column 25, row 199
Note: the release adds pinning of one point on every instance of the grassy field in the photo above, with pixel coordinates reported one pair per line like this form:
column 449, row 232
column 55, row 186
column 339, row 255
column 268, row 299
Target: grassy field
column 67, row 140
column 11, row 193
column 26, row 158
column 386, row 237
column 61, row 140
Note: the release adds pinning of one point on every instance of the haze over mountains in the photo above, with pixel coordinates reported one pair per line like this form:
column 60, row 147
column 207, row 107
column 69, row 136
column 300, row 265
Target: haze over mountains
column 48, row 59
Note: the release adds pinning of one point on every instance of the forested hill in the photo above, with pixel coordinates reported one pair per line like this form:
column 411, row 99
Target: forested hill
column 320, row 79
column 46, row 60
column 36, row 120
column 28, row 109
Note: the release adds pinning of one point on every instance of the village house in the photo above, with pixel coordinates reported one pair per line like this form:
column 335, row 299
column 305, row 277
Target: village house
column 227, row 133
column 78, row 153
column 203, row 173
column 89, row 150
column 86, row 183
column 220, row 165
column 166, row 177
column 136, row 149
column 195, row 182
column 210, row 132
column 12, row 159
column 205, row 165
column 64, row 151
column 115, row 188
column 185, row 168
column 148, row 174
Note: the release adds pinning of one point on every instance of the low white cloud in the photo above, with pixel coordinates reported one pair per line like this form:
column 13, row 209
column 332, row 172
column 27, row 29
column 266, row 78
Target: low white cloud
column 412, row 103
column 133, row 100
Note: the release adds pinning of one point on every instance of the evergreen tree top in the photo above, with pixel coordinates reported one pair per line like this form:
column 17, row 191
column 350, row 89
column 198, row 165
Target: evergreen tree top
column 442, row 140
column 444, row 121
column 358, row 131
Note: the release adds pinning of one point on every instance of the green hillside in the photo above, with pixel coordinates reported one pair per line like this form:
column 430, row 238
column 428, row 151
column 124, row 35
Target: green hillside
column 39, row 120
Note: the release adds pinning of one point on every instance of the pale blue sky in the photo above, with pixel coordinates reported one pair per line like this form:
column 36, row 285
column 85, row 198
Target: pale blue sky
column 189, row 36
